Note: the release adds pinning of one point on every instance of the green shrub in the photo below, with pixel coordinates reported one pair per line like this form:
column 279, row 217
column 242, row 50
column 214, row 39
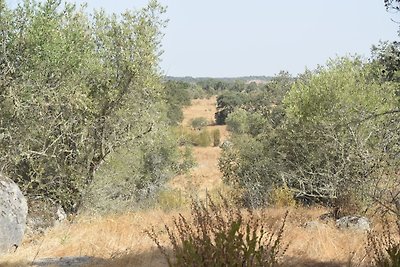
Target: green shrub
column 191, row 137
column 187, row 160
column 183, row 135
column 216, row 137
column 221, row 235
column 199, row 123
column 171, row 199
column 237, row 121
column 203, row 139
column 282, row 196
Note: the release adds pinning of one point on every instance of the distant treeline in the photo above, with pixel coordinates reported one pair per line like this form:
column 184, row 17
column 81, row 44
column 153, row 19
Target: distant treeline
column 245, row 79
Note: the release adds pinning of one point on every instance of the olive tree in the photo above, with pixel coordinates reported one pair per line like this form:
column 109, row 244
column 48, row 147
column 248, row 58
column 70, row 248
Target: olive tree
column 74, row 87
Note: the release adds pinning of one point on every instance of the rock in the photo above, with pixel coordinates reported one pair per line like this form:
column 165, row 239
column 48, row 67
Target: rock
column 354, row 222
column 13, row 212
column 42, row 215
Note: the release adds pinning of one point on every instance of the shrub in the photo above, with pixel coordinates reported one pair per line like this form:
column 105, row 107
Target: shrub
column 132, row 176
column 199, row 123
column 170, row 199
column 203, row 139
column 216, row 137
column 237, row 121
column 183, row 135
column 282, row 197
column 220, row 235
column 192, row 137
column 187, row 160
column 384, row 249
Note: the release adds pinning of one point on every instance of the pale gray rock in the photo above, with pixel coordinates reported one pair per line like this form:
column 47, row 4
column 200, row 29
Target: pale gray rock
column 354, row 223
column 13, row 212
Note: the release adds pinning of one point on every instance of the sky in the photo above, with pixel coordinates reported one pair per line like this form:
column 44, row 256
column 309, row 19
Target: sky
column 231, row 38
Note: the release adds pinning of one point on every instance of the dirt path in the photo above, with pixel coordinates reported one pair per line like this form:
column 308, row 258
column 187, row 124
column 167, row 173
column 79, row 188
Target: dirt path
column 206, row 174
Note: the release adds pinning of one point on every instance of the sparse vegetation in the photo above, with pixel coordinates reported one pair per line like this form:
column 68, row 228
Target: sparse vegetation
column 384, row 247
column 216, row 134
column 221, row 235
column 199, row 123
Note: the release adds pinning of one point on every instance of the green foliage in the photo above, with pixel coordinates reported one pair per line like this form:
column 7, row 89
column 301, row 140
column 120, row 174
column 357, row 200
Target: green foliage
column 221, row 235
column 74, row 88
column 187, row 160
column 237, row 122
column 264, row 99
column 282, row 197
column 199, row 123
column 226, row 104
column 339, row 130
column 132, row 176
column 171, row 199
column 216, row 136
column 176, row 97
column 193, row 137
column 203, row 138
column 244, row 122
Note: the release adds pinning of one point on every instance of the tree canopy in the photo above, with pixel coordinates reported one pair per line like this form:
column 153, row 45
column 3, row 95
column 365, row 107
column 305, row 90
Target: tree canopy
column 74, row 87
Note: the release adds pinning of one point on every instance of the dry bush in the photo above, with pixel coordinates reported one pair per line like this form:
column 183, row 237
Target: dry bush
column 172, row 199
column 199, row 123
column 186, row 136
column 282, row 197
column 384, row 248
column 216, row 137
column 220, row 235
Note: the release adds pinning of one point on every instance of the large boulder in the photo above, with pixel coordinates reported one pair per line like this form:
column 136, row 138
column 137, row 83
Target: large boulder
column 13, row 212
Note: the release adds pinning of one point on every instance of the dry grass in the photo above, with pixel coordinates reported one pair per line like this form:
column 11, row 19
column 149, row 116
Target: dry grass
column 120, row 239
column 204, row 108
column 206, row 176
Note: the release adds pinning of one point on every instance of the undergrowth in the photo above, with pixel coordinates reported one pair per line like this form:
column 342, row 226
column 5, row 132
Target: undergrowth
column 220, row 235
column 384, row 248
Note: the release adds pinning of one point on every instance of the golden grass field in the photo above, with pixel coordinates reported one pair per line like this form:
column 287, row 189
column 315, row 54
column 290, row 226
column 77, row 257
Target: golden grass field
column 120, row 240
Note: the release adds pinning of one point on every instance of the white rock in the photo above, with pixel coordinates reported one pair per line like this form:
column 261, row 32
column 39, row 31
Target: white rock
column 13, row 212
column 354, row 222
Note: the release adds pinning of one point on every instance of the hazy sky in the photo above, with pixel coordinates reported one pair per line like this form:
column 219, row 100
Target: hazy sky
column 261, row 37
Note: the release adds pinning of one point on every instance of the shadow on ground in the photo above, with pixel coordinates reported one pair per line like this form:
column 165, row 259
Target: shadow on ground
column 148, row 259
